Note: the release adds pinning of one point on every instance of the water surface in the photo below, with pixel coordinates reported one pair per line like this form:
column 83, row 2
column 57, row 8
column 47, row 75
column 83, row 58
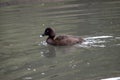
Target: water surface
column 26, row 56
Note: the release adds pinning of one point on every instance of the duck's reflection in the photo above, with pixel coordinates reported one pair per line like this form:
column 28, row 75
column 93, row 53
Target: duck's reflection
column 49, row 51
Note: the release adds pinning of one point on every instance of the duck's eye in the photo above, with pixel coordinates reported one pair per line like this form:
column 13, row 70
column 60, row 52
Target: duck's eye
column 47, row 31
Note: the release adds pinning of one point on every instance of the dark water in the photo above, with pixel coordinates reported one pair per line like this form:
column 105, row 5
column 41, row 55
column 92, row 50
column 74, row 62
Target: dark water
column 26, row 56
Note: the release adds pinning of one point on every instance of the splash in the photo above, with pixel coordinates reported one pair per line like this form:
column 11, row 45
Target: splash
column 43, row 43
column 96, row 41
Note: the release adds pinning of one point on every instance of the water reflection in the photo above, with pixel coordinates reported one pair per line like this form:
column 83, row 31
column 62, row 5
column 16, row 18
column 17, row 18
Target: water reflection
column 49, row 51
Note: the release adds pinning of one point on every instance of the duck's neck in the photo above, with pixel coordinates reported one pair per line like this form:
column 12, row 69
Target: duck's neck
column 50, row 40
column 51, row 37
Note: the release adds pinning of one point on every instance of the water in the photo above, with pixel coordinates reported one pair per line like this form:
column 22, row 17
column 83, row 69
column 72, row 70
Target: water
column 26, row 56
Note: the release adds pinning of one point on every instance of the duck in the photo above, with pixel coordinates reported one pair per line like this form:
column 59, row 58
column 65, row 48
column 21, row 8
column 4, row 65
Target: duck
column 61, row 40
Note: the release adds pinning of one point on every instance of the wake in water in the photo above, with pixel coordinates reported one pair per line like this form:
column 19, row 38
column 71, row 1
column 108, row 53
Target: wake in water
column 96, row 41
column 113, row 78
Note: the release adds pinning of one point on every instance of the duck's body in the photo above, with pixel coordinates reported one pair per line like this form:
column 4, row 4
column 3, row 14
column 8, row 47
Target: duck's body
column 61, row 40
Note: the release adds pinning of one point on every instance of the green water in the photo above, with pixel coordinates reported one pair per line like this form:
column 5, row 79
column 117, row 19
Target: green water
column 26, row 56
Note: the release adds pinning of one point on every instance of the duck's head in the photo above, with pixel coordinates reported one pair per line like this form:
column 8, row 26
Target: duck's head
column 49, row 32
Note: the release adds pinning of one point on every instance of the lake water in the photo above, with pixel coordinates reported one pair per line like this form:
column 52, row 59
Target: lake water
column 26, row 56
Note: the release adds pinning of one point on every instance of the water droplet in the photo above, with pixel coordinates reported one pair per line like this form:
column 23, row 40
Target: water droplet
column 28, row 69
column 43, row 4
column 88, row 63
column 41, row 36
column 43, row 73
column 71, row 61
column 34, row 69
column 42, row 53
column 43, row 24
column 28, row 78
column 74, row 66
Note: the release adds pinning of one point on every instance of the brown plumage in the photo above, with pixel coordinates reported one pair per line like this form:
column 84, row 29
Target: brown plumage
column 61, row 40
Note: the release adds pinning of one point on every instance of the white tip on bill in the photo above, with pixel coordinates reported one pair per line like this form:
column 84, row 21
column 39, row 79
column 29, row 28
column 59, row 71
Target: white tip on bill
column 41, row 36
